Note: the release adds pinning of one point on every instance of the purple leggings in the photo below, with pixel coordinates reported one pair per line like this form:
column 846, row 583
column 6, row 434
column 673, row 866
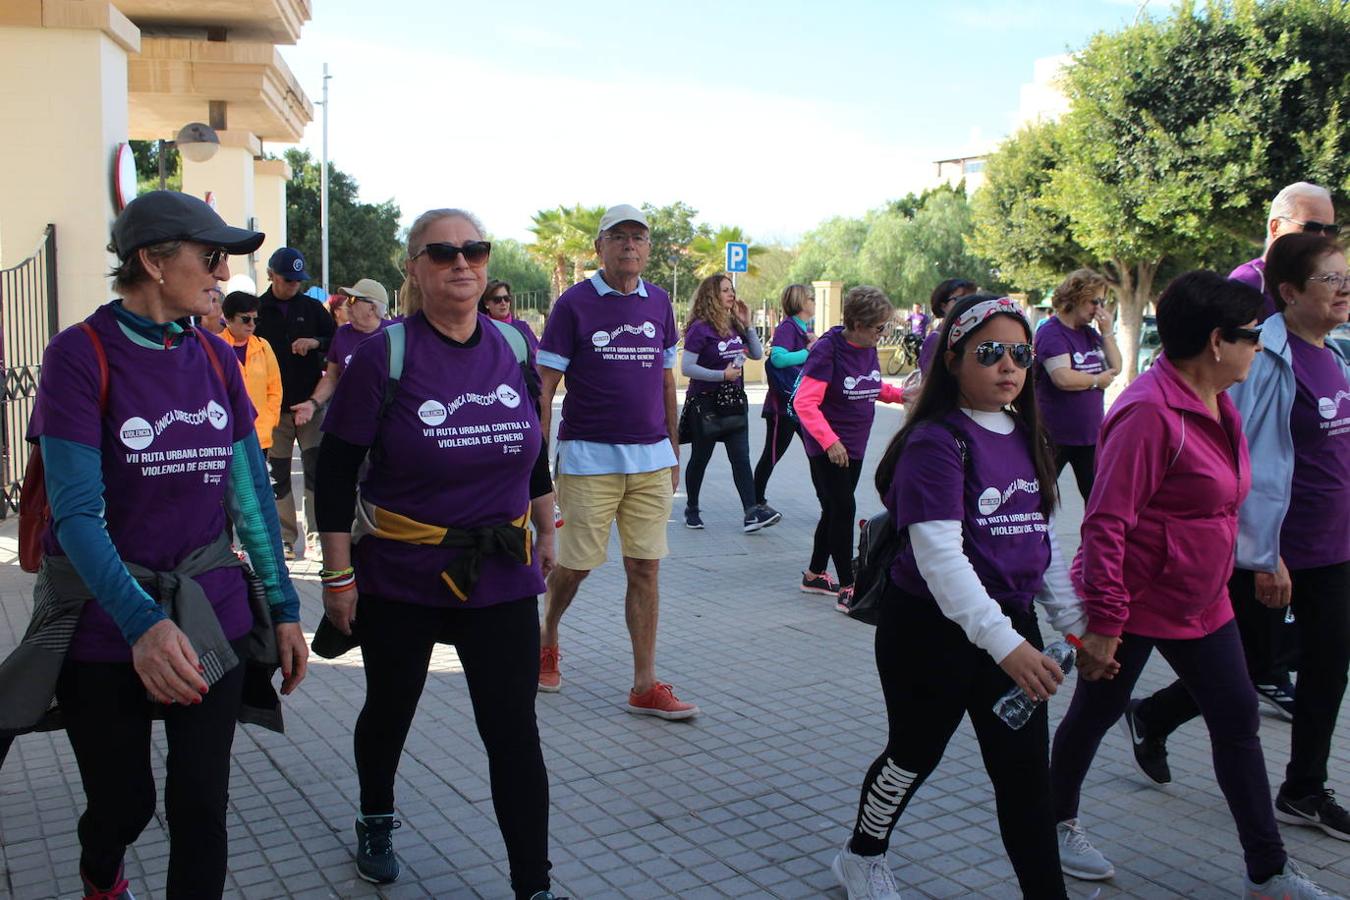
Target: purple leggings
column 1214, row 670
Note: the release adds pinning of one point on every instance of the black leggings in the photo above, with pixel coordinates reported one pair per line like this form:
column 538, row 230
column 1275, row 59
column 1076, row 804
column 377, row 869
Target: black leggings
column 932, row 677
column 778, row 433
column 1083, row 458
column 1322, row 617
column 108, row 721
column 738, row 454
column 499, row 649
column 835, row 486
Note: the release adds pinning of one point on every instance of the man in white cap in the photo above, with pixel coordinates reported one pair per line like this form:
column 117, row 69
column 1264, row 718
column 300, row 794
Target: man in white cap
column 618, row 454
column 367, row 312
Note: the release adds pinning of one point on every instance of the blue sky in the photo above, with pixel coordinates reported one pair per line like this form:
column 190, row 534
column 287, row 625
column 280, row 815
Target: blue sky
column 768, row 115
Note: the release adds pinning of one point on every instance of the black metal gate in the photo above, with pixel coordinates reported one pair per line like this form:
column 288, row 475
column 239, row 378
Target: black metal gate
column 28, row 320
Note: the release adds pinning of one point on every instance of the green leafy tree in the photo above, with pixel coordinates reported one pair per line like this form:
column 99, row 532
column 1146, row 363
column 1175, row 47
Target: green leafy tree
column 512, row 263
column 146, row 155
column 672, row 231
column 830, row 252
column 763, row 289
column 565, row 237
column 363, row 238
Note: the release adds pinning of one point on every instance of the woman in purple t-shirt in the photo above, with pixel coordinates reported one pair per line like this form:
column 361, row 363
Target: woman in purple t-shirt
column 1293, row 530
column 969, row 483
column 792, row 339
column 717, row 341
column 1075, row 363
column 367, row 307
column 443, row 553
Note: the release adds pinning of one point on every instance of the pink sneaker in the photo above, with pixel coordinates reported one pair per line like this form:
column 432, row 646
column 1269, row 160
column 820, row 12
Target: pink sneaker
column 660, row 700
column 550, row 680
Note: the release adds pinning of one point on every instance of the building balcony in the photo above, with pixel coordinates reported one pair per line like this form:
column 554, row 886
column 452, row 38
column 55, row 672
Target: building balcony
column 269, row 21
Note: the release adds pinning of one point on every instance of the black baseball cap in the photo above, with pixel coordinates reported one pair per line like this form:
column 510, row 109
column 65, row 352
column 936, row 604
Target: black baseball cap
column 159, row 216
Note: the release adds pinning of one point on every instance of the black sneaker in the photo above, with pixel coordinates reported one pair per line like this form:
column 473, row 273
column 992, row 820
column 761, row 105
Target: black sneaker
column 548, row 895
column 1279, row 697
column 692, row 519
column 1150, row 753
column 819, row 584
column 375, row 859
column 760, row 517
column 1318, row 810
column 118, row 890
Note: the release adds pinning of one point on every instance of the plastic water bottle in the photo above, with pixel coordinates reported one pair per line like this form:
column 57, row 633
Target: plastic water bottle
column 1016, row 706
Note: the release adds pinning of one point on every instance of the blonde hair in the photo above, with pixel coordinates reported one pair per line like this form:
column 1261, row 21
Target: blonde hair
column 708, row 306
column 409, row 295
column 794, row 298
column 865, row 305
column 1078, row 286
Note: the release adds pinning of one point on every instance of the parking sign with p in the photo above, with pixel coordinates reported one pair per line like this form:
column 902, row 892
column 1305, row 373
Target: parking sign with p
column 738, row 257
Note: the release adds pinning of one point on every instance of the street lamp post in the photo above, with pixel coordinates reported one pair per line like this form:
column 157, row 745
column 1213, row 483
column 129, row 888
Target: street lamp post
column 195, row 141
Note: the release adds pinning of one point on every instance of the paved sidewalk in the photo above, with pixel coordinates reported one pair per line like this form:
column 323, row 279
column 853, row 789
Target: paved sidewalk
column 750, row 799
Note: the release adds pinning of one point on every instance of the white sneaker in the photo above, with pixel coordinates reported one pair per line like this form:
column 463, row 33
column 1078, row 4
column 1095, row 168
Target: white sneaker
column 864, row 877
column 1291, row 884
column 1077, row 856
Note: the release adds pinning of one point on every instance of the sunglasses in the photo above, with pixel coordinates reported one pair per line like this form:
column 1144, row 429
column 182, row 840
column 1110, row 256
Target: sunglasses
column 1310, row 227
column 475, row 253
column 247, row 320
column 500, row 298
column 990, row 352
column 1251, row 335
column 214, row 257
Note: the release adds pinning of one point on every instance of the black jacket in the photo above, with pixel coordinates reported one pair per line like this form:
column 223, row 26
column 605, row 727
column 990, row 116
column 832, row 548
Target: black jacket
column 304, row 317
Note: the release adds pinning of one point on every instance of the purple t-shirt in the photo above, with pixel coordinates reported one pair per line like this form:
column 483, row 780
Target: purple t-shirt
column 345, row 341
column 616, row 370
column 1316, row 530
column 1253, row 272
column 1072, row 418
column 166, row 444
column 918, row 323
column 712, row 351
column 997, row 498
column 929, row 349
column 456, row 449
column 853, row 376
column 790, row 336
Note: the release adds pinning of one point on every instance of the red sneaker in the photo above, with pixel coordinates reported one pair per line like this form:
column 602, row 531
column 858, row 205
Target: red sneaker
column 550, row 680
column 660, row 700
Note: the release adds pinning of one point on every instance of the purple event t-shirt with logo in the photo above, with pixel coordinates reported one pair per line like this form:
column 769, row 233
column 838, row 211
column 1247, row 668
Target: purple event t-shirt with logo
column 713, row 351
column 1072, row 418
column 918, row 323
column 997, row 502
column 929, row 348
column 616, row 370
column 166, row 444
column 790, row 336
column 345, row 341
column 1253, row 272
column 1316, row 530
column 853, row 378
column 456, row 449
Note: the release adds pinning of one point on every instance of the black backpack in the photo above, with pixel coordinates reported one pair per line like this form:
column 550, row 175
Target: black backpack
column 878, row 544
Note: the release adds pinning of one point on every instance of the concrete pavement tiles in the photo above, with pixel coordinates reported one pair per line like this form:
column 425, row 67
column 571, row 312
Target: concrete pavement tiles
column 751, row 799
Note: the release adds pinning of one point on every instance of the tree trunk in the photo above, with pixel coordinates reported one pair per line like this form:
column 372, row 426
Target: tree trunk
column 578, row 270
column 1134, row 292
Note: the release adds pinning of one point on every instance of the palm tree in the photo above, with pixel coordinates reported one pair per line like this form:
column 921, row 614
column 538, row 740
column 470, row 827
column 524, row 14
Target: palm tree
column 708, row 253
column 565, row 236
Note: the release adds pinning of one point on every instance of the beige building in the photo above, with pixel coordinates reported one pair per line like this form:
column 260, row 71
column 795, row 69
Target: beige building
column 79, row 78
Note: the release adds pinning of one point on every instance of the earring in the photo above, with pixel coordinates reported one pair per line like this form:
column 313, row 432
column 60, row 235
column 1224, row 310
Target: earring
column 161, row 279
column 1218, row 357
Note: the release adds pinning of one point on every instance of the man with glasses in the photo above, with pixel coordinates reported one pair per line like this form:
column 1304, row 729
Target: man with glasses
column 1300, row 207
column 618, row 457
column 299, row 330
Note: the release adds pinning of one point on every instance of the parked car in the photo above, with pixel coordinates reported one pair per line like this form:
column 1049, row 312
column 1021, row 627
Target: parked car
column 1150, row 345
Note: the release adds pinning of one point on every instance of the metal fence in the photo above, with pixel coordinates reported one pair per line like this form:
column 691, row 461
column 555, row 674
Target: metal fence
column 28, row 319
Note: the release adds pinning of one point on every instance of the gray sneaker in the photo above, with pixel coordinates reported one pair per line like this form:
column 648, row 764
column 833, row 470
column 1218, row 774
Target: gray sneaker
column 1077, row 856
column 864, row 877
column 1291, row 884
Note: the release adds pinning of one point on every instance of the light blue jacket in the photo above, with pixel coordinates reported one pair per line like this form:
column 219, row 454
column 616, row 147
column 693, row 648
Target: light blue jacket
column 1266, row 401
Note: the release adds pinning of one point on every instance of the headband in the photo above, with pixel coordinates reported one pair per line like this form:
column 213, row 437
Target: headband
column 973, row 317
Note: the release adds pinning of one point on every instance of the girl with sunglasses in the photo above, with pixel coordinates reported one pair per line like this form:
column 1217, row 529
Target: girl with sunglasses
column 1075, row 363
column 1158, row 543
column 969, row 482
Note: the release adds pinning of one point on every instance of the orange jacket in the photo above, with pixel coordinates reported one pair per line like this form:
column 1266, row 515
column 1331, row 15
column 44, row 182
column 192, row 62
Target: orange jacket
column 262, row 378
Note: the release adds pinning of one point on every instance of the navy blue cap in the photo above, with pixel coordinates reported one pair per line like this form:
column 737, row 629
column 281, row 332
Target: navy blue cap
column 160, row 216
column 289, row 264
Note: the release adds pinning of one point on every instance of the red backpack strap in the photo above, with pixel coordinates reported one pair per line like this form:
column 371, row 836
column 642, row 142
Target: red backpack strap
column 102, row 358
column 211, row 355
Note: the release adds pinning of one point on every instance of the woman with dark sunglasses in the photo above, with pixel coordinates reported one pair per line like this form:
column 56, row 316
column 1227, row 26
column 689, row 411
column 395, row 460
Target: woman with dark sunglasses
column 969, row 482
column 147, row 435
column 443, row 552
column 1075, row 363
column 499, row 303
column 1158, row 542
column 1293, row 542
column 262, row 375
column 367, row 314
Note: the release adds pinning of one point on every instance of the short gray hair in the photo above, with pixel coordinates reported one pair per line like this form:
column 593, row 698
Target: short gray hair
column 1282, row 207
column 866, row 306
column 430, row 217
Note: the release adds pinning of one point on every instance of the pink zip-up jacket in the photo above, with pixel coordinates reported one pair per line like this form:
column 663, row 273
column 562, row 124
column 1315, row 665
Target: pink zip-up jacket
column 1160, row 530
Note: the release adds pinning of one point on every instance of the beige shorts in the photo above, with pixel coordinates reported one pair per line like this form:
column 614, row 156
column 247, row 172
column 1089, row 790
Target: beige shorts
column 639, row 503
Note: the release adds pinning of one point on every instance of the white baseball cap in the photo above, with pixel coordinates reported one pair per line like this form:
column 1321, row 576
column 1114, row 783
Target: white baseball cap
column 622, row 213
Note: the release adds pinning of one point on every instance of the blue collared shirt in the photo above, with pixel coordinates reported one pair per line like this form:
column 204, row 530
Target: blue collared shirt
column 593, row 457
